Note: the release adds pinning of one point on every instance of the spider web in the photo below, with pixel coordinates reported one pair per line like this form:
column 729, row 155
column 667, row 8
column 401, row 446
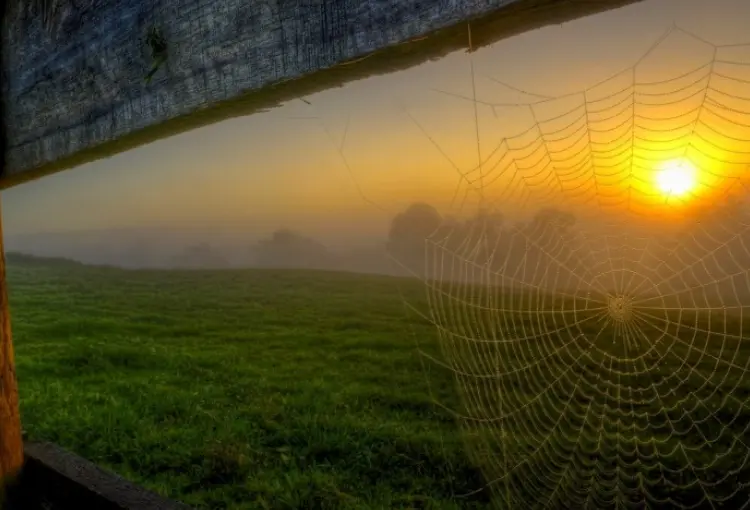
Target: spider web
column 599, row 346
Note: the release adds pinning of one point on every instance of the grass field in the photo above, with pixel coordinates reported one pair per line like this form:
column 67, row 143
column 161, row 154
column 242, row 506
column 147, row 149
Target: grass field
column 238, row 389
column 294, row 389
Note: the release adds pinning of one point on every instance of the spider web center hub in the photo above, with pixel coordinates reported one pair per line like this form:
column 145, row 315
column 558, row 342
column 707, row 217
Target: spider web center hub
column 621, row 308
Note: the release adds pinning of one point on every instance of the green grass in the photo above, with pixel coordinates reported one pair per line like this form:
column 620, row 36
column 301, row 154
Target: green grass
column 238, row 389
column 295, row 389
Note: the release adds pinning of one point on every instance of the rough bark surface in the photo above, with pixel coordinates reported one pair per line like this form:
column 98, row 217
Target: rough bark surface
column 80, row 92
column 11, row 443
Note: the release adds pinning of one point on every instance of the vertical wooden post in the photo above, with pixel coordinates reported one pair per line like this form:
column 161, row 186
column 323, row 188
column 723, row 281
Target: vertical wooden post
column 11, row 444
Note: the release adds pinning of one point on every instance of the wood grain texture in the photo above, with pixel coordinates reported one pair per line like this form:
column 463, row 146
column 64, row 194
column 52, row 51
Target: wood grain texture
column 11, row 443
column 78, row 93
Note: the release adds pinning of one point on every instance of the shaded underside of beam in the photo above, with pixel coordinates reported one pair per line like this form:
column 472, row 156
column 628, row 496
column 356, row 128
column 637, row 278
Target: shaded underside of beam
column 80, row 92
column 55, row 479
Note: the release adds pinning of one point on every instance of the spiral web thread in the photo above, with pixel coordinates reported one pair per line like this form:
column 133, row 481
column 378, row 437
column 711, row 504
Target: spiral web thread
column 600, row 353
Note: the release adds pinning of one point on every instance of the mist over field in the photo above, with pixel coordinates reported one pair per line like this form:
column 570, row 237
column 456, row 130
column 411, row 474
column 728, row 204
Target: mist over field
column 509, row 278
column 164, row 247
column 136, row 248
column 552, row 251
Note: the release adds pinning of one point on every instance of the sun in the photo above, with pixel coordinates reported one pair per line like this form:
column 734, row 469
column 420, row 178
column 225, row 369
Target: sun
column 676, row 178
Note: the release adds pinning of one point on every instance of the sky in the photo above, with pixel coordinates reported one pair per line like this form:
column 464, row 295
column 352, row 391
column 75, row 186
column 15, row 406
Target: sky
column 409, row 136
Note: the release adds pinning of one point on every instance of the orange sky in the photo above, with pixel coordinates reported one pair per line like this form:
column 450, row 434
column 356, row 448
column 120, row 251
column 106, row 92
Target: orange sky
column 283, row 167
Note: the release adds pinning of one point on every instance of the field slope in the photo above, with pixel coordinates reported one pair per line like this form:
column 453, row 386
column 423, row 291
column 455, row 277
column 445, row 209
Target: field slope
column 303, row 389
column 240, row 389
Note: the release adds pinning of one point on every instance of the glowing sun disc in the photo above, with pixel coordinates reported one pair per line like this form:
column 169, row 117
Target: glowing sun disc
column 676, row 178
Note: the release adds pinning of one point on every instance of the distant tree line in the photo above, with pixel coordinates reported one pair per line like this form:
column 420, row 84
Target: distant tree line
column 422, row 243
column 704, row 259
column 535, row 252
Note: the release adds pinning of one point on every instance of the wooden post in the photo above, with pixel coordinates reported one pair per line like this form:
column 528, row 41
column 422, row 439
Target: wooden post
column 11, row 444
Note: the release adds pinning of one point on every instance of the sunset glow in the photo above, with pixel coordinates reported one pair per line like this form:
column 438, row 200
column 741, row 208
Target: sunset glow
column 676, row 178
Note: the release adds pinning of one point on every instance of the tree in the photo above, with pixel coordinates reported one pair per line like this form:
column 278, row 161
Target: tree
column 540, row 253
column 476, row 239
column 409, row 233
column 288, row 249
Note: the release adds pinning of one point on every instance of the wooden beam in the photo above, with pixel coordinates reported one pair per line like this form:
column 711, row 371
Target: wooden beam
column 11, row 443
column 81, row 93
column 67, row 481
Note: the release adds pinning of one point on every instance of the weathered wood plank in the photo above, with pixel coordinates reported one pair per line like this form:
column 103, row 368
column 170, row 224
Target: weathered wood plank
column 11, row 443
column 80, row 93
column 56, row 479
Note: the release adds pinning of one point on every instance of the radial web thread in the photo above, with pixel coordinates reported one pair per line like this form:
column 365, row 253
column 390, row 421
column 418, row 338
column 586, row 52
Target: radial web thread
column 599, row 347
